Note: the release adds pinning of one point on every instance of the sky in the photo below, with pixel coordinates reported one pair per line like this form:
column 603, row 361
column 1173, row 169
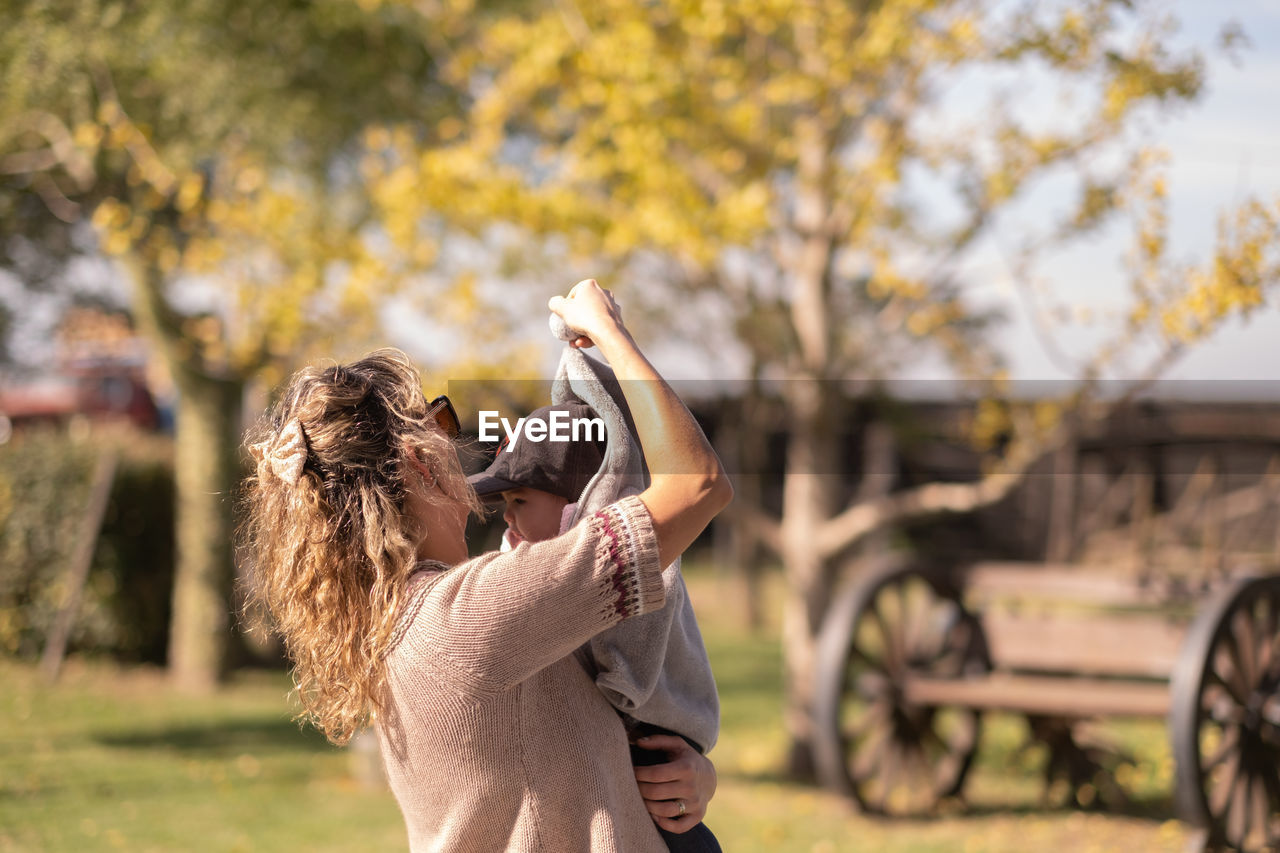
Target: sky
column 1224, row 148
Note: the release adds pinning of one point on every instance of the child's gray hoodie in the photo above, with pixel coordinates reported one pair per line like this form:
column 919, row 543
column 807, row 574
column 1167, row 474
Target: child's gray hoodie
column 653, row 668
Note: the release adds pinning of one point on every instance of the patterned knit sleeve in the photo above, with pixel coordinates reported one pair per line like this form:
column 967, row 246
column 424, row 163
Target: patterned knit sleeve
column 495, row 620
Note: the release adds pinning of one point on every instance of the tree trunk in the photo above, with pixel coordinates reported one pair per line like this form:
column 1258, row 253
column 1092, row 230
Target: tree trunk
column 205, row 474
column 807, row 504
column 206, row 470
column 811, row 460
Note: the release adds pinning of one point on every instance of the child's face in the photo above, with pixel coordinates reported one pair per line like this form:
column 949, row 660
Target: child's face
column 532, row 514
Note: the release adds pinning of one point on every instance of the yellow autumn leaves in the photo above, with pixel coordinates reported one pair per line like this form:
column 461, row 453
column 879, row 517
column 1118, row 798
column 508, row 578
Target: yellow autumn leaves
column 679, row 129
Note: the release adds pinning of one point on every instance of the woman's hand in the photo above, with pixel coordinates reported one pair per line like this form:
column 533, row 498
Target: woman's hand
column 676, row 793
column 589, row 309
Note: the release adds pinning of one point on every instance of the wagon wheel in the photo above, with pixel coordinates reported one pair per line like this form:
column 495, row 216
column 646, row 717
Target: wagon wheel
column 891, row 756
column 1225, row 718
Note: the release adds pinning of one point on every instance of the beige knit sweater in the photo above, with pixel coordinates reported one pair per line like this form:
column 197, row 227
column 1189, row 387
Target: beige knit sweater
column 494, row 736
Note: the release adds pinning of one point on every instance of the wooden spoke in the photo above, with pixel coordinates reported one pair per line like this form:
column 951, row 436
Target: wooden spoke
column 1271, row 718
column 858, row 653
column 876, row 714
column 944, row 776
column 1229, row 743
column 1230, row 679
column 901, row 800
column 905, row 789
column 923, row 781
column 906, row 624
column 889, row 776
column 893, row 661
column 866, row 760
column 1237, row 676
column 894, row 621
column 1270, row 662
column 1246, row 645
column 1273, row 653
column 1259, row 815
column 1235, row 809
column 1220, row 789
column 1219, row 702
column 1268, row 634
column 1271, row 783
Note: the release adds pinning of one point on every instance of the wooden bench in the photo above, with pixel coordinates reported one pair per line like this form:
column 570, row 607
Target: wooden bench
column 912, row 655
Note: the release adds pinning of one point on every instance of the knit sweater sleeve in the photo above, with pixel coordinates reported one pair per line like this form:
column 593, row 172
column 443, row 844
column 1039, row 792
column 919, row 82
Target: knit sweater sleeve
column 495, row 620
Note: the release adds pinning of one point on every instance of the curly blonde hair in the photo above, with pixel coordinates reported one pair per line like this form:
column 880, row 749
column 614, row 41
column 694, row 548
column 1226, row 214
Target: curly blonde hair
column 330, row 543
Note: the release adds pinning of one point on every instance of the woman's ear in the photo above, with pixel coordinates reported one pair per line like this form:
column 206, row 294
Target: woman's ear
column 415, row 464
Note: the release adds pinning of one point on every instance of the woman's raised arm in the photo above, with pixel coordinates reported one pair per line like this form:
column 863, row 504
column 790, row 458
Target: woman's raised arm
column 688, row 485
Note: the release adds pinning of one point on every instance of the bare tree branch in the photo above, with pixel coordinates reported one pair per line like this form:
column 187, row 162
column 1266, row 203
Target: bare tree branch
column 766, row 529
column 62, row 150
column 28, row 161
column 862, row 518
column 54, row 199
column 153, row 168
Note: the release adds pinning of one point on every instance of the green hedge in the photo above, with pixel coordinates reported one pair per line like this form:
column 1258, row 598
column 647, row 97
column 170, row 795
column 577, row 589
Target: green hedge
column 44, row 491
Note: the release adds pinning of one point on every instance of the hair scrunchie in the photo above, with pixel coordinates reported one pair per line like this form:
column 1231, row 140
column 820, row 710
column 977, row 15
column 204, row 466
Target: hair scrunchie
column 285, row 455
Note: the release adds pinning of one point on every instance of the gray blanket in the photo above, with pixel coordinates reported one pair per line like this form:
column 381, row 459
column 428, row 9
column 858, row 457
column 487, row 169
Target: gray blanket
column 653, row 668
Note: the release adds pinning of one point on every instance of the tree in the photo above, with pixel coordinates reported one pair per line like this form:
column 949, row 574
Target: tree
column 818, row 173
column 212, row 148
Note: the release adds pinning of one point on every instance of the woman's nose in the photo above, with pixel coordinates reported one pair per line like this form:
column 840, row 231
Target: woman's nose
column 509, row 516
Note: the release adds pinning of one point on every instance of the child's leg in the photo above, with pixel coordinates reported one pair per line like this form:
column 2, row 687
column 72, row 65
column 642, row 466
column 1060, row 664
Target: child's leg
column 698, row 839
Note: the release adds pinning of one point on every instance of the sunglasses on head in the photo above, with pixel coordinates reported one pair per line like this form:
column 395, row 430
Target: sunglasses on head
column 446, row 418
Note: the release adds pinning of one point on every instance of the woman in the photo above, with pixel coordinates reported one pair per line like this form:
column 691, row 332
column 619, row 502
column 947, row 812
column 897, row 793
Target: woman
column 494, row 736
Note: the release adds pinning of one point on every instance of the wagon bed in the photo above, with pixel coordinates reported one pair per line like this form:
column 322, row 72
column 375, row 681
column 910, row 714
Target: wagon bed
column 914, row 653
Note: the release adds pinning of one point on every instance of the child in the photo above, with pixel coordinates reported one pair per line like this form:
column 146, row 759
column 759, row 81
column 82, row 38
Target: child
column 656, row 674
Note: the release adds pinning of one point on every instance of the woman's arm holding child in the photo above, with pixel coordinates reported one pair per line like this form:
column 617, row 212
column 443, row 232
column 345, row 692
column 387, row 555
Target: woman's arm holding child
column 677, row 792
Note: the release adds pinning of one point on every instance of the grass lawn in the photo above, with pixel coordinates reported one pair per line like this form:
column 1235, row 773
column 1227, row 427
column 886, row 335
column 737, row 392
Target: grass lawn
column 112, row 759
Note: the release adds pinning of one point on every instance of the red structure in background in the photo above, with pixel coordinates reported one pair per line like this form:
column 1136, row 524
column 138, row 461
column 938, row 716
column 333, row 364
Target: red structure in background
column 101, row 373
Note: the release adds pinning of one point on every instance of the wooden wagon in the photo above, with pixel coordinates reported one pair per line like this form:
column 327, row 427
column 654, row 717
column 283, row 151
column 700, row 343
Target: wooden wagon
column 913, row 653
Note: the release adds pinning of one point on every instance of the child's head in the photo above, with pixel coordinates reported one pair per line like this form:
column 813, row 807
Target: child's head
column 538, row 475
column 532, row 515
